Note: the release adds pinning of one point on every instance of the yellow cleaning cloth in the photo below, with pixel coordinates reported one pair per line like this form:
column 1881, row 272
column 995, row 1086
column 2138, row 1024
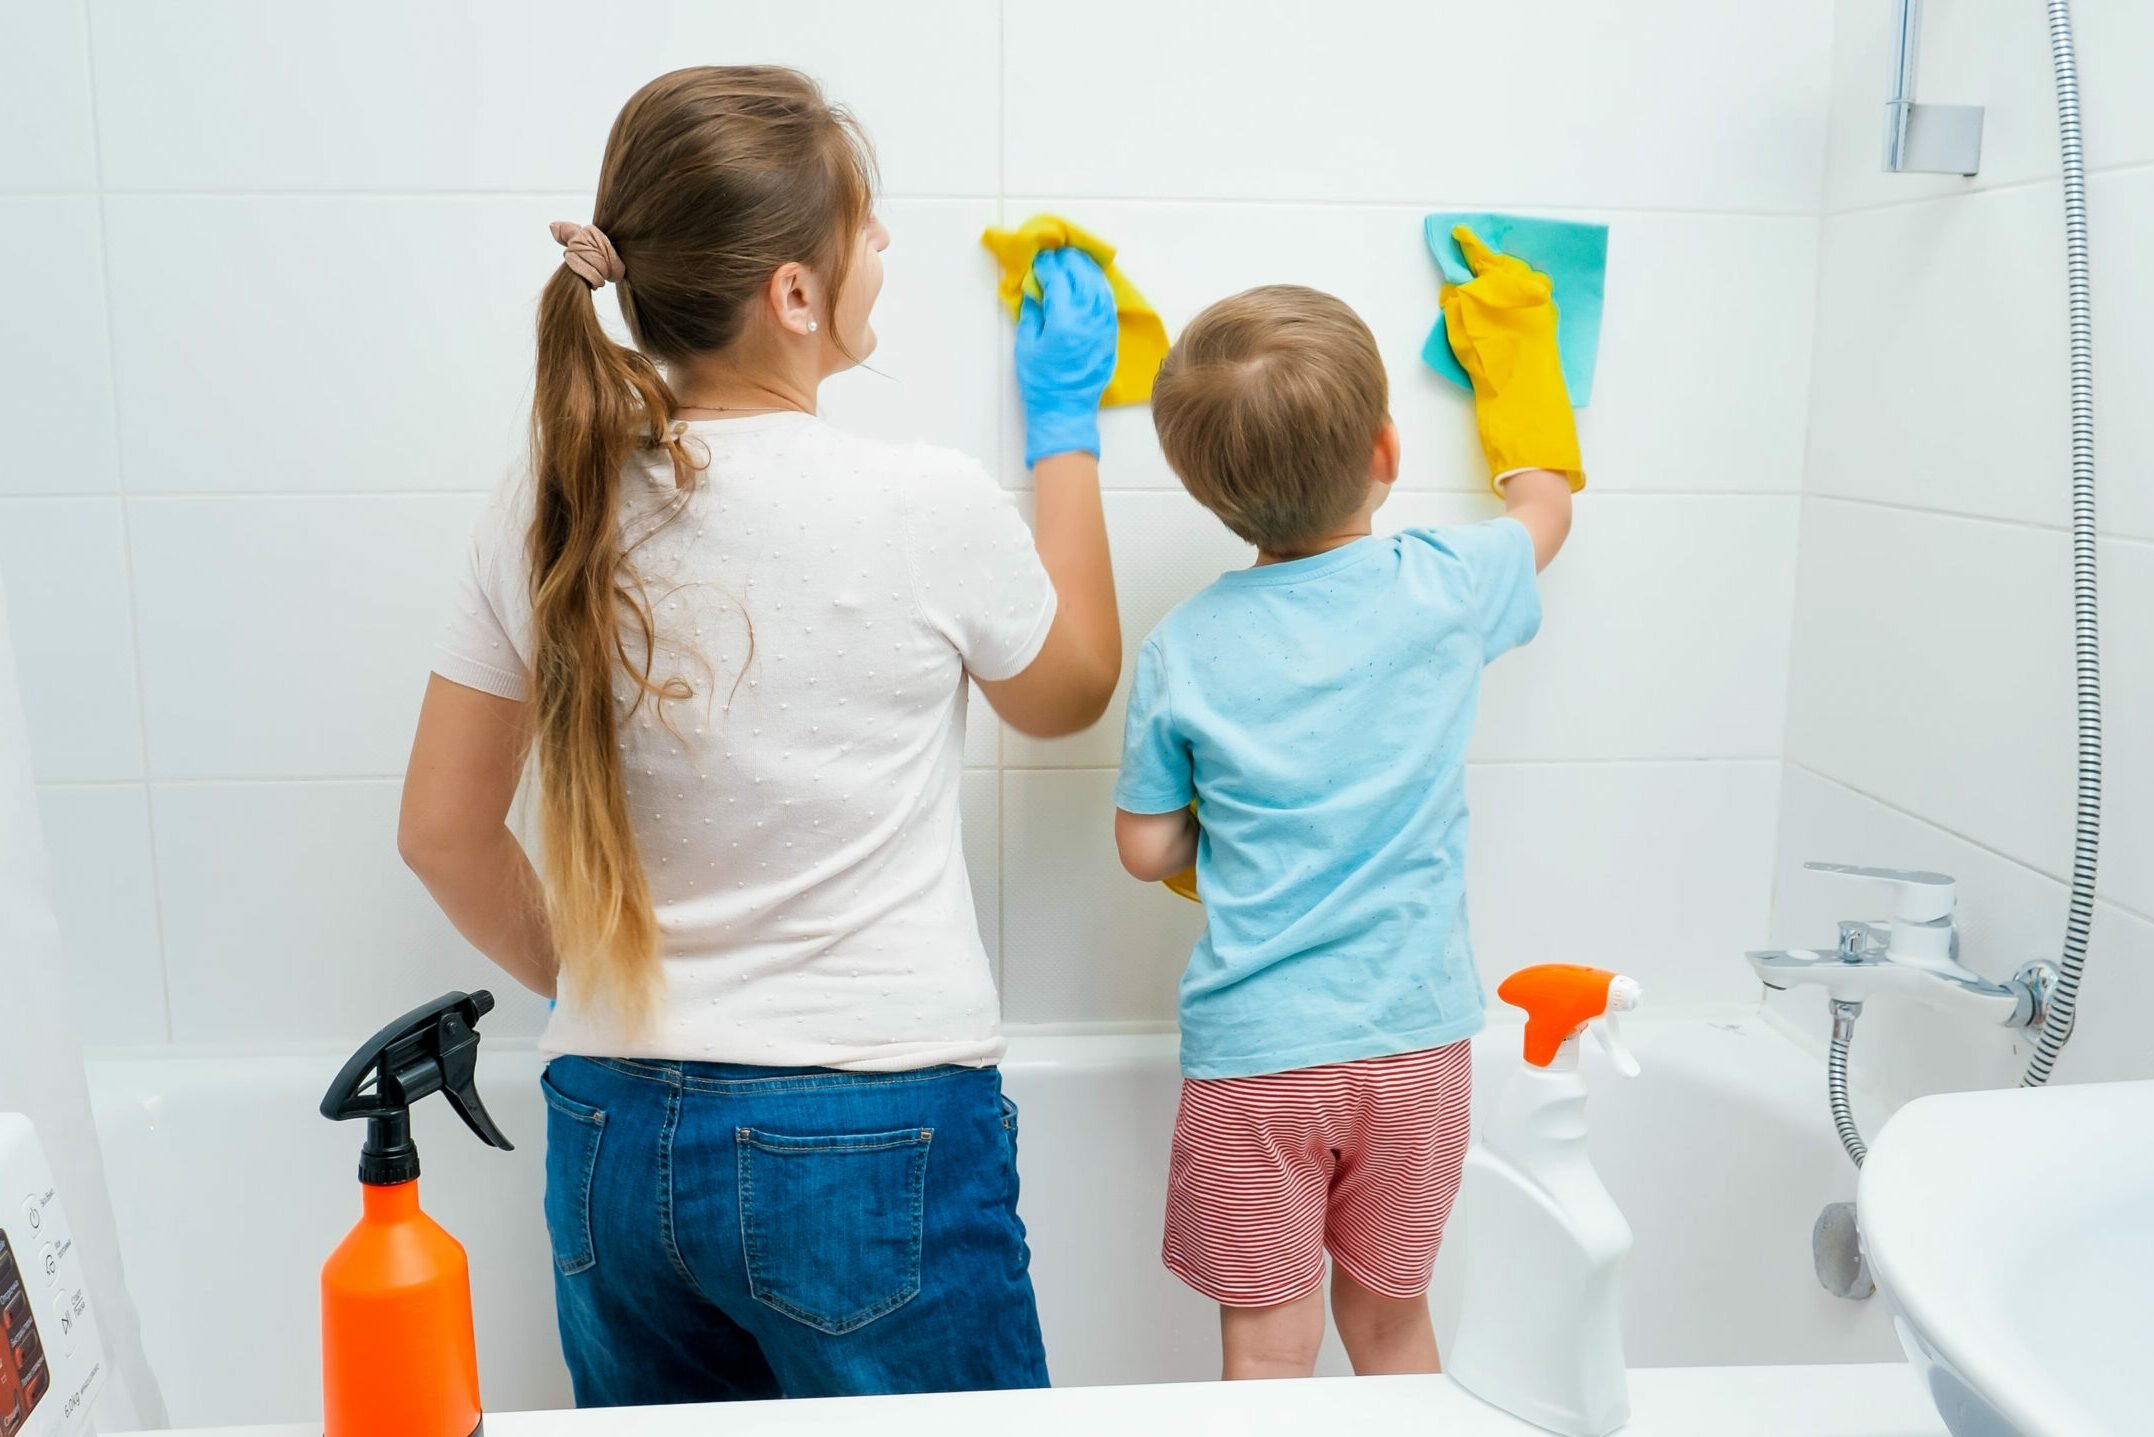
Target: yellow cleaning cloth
column 1143, row 335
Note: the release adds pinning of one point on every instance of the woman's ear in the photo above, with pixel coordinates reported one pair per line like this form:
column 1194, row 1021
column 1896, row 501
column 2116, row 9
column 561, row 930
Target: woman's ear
column 792, row 296
column 1384, row 461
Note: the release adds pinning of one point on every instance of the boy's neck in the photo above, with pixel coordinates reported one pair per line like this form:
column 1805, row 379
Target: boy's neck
column 1362, row 527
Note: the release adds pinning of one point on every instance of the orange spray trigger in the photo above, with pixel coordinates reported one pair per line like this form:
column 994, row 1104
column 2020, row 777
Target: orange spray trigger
column 1561, row 999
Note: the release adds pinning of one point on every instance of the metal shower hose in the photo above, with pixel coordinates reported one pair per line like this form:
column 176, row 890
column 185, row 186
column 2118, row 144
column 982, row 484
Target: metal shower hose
column 2086, row 626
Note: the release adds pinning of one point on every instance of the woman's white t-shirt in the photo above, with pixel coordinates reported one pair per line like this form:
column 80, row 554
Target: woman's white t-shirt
column 822, row 598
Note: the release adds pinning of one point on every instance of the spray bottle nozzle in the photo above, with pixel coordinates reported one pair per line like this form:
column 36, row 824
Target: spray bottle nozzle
column 1563, row 1000
column 431, row 1049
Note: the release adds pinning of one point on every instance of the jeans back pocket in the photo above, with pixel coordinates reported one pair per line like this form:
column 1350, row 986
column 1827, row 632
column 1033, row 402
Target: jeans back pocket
column 831, row 1225
column 573, row 1130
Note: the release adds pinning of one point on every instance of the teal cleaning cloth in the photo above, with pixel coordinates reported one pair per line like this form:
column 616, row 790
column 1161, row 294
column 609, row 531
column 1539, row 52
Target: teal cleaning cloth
column 1573, row 255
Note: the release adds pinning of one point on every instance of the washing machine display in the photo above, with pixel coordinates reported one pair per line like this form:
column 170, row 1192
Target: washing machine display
column 24, row 1375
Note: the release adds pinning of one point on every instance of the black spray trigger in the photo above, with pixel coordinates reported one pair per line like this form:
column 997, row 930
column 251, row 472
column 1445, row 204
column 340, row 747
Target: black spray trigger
column 431, row 1049
column 460, row 1077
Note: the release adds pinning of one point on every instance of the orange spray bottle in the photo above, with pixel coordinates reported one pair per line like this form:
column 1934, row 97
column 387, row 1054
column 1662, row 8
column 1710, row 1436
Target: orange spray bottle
column 399, row 1358
column 1540, row 1330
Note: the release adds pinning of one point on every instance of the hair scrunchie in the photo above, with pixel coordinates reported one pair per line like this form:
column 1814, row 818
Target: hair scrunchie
column 588, row 253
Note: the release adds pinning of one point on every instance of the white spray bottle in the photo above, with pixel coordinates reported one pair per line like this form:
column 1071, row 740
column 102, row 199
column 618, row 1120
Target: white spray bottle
column 1540, row 1331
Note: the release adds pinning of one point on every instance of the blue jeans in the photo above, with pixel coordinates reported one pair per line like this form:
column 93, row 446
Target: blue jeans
column 726, row 1232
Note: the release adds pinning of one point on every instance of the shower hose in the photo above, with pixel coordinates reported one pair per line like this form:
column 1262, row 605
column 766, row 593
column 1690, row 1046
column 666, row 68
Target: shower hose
column 2063, row 1003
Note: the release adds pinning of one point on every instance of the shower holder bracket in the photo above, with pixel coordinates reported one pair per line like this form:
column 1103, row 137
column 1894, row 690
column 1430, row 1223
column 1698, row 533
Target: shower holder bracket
column 1925, row 139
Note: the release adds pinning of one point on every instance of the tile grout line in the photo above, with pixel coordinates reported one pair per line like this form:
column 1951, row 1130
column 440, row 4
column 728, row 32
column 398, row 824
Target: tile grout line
column 1417, row 205
column 308, row 496
column 127, row 537
column 1833, row 100
column 2001, row 187
column 2060, row 880
column 1002, row 824
column 998, row 768
column 364, row 193
column 2038, row 525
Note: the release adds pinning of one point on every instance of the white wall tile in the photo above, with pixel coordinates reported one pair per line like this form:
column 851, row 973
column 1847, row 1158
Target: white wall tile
column 2122, row 210
column 2127, row 867
column 1166, row 547
column 1932, row 669
column 104, row 892
column 500, row 95
column 1942, row 358
column 1993, row 53
column 1084, row 942
column 289, row 918
column 64, row 562
column 1658, row 870
column 980, row 812
column 2009, row 915
column 55, row 370
column 1689, row 397
column 932, row 377
column 1941, row 367
column 1377, row 100
column 46, row 122
column 290, row 637
column 325, row 343
column 1664, row 631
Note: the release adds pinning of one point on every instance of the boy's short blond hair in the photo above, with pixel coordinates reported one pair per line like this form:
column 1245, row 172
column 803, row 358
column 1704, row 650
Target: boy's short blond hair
column 1269, row 407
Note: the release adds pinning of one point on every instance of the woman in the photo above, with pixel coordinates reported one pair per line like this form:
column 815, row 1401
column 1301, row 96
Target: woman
column 737, row 642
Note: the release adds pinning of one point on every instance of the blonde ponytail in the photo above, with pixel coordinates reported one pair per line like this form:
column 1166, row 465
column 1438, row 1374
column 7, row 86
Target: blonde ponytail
column 713, row 177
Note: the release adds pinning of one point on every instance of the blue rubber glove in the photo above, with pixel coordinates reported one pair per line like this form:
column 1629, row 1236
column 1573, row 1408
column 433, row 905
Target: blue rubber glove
column 1065, row 354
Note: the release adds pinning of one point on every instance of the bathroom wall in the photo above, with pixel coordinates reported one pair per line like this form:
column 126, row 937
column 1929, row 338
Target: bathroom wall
column 268, row 345
column 1930, row 711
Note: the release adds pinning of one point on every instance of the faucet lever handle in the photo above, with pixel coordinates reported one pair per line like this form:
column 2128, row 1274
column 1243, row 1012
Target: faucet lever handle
column 1918, row 896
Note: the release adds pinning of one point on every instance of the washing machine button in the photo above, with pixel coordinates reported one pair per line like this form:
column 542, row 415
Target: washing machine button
column 33, row 1212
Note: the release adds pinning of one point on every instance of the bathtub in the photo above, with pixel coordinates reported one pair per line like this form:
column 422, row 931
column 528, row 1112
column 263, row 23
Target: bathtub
column 230, row 1190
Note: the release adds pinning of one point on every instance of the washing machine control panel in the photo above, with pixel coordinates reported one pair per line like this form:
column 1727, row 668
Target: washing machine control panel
column 51, row 1362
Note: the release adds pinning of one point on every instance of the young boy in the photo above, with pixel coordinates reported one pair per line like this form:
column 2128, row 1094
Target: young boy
column 1316, row 708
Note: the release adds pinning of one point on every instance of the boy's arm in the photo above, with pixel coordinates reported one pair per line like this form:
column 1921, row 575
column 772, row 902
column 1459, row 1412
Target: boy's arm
column 1155, row 846
column 1540, row 499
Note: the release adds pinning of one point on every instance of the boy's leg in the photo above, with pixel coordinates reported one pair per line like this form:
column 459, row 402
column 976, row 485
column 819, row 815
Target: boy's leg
column 1245, row 1217
column 1383, row 1335
column 1276, row 1341
column 1398, row 1173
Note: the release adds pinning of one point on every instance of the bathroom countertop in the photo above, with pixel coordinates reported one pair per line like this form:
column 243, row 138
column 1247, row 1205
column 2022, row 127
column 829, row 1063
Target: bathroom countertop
column 1883, row 1400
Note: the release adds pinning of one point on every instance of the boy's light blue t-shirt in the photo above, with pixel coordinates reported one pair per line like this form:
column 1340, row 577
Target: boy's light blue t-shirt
column 1318, row 712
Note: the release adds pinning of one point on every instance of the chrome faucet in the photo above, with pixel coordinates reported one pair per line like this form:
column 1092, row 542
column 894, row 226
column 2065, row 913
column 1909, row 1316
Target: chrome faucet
column 1916, row 952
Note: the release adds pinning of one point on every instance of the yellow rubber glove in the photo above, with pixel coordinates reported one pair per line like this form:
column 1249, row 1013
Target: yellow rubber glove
column 1502, row 327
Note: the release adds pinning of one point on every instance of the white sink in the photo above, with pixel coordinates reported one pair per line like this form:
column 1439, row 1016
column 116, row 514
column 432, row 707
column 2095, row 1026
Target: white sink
column 2013, row 1233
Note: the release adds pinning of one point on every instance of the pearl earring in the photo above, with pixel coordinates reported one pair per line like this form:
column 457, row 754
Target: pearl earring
column 811, row 326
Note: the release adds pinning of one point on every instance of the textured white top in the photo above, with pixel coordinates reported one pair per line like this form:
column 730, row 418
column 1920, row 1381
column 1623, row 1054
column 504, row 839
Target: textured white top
column 822, row 598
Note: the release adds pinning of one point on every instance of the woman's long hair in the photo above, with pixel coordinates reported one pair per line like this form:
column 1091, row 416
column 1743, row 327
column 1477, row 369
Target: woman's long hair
column 713, row 178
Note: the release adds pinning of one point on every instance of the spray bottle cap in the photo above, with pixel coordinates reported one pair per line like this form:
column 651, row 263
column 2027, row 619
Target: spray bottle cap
column 1563, row 1000
column 431, row 1049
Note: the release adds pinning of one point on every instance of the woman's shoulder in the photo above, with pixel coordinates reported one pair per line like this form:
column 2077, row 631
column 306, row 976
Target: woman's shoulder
column 916, row 466
column 502, row 525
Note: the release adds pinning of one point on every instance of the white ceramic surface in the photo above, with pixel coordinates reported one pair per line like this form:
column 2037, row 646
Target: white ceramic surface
column 2009, row 1229
column 1718, row 1155
column 1845, row 1401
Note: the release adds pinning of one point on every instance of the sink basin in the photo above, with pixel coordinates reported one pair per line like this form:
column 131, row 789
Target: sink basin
column 2013, row 1234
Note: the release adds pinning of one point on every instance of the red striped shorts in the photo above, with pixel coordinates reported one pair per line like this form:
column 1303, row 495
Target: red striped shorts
column 1361, row 1160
